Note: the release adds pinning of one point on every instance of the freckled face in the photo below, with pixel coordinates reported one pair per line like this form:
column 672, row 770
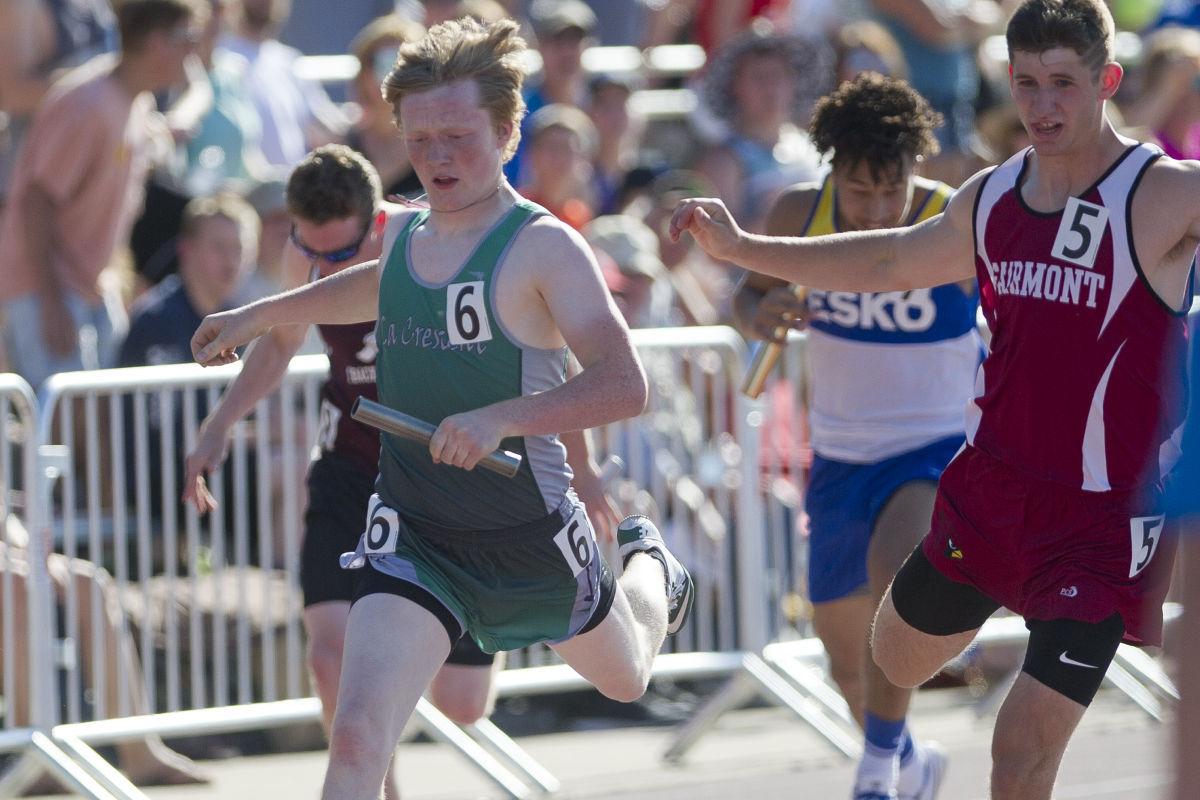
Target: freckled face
column 453, row 144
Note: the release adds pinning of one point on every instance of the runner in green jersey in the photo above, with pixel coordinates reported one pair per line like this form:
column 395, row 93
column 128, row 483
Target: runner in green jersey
column 478, row 300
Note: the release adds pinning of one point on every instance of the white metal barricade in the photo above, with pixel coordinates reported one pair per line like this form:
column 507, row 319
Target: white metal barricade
column 27, row 625
column 212, row 604
column 794, row 678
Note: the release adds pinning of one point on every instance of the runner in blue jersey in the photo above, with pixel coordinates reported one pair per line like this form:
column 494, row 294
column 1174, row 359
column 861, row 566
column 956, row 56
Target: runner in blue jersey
column 890, row 373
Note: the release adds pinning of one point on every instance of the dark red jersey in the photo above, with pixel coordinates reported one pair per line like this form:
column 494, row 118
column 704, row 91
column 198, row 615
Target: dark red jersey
column 1085, row 381
column 351, row 350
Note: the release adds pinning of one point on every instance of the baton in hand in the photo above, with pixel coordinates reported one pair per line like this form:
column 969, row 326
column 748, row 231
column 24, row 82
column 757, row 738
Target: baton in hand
column 765, row 357
column 396, row 422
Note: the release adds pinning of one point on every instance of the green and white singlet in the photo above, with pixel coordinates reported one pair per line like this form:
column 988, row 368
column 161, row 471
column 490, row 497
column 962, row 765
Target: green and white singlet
column 442, row 351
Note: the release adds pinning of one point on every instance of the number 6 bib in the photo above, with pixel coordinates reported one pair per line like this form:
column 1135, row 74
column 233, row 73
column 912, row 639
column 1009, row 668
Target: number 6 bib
column 466, row 313
column 383, row 528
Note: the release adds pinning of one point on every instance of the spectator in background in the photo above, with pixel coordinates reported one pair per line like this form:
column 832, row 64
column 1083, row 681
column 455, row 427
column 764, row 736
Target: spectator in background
column 714, row 23
column 628, row 255
column 1169, row 104
column 74, row 198
column 296, row 113
column 702, row 289
column 866, row 46
column 38, row 40
column 374, row 134
column 1177, row 12
column 617, row 136
column 561, row 145
column 311, row 28
column 218, row 239
column 939, row 42
column 826, row 17
column 227, row 144
column 621, row 22
column 1000, row 133
column 756, row 85
column 275, row 224
column 483, row 11
column 564, row 30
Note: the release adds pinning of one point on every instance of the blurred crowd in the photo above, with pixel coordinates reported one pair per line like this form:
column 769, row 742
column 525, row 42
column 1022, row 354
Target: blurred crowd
column 145, row 147
column 121, row 122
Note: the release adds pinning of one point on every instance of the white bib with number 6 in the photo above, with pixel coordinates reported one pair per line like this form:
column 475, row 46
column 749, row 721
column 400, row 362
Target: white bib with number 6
column 466, row 313
column 575, row 542
column 383, row 527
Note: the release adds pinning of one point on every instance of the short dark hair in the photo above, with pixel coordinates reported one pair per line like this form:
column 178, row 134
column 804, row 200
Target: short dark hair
column 875, row 119
column 137, row 19
column 333, row 182
column 1085, row 26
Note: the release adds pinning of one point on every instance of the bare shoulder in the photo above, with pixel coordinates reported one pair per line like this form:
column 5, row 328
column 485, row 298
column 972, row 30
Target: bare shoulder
column 961, row 209
column 547, row 245
column 398, row 214
column 792, row 208
column 1167, row 184
column 1178, row 178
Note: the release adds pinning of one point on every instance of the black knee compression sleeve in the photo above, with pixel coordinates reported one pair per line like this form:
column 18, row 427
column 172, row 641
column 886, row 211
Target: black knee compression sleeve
column 932, row 603
column 1070, row 656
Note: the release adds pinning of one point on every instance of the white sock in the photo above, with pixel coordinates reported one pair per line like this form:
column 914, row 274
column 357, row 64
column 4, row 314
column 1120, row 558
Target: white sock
column 912, row 770
column 877, row 771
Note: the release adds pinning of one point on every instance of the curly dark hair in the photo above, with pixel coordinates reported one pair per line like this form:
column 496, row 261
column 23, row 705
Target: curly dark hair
column 875, row 119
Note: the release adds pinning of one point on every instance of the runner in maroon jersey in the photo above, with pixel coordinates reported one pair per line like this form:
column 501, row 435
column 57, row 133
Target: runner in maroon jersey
column 1083, row 247
column 340, row 219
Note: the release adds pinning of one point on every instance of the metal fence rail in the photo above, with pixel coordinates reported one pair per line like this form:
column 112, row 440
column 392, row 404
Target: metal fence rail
column 212, row 605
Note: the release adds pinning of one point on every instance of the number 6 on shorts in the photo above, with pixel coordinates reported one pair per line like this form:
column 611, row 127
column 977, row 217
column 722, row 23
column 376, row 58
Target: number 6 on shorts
column 575, row 542
column 383, row 527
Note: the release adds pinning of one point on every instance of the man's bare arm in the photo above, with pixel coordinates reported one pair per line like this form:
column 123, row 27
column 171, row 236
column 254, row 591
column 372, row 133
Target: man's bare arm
column 1165, row 244
column 41, row 215
column 611, row 385
column 786, row 217
column 345, row 297
column 938, row 251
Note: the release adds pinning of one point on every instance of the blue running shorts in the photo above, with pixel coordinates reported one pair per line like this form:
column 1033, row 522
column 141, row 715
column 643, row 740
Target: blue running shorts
column 844, row 500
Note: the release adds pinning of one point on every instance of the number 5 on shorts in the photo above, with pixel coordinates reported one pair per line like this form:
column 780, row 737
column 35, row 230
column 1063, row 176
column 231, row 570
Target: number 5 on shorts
column 1144, row 533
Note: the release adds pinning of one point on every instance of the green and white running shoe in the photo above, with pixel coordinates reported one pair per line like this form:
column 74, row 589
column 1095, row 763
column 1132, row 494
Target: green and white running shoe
column 637, row 534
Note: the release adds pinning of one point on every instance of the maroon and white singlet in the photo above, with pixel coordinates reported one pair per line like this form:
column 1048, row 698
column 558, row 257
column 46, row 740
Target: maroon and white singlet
column 1053, row 509
column 1085, row 382
column 351, row 350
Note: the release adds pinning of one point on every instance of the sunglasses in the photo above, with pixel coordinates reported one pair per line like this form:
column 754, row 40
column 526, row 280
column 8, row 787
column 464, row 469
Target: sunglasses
column 332, row 256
